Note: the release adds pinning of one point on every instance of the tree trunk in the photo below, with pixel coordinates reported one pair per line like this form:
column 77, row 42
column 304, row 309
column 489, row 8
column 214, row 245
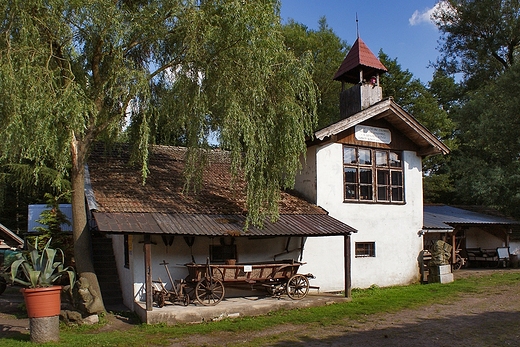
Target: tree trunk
column 81, row 234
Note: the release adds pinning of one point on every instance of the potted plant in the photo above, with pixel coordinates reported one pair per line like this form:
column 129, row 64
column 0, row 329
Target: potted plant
column 41, row 269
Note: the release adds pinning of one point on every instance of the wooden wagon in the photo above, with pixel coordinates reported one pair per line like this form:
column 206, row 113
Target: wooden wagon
column 205, row 282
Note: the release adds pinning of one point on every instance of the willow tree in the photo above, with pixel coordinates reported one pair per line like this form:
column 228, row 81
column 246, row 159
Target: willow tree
column 75, row 71
column 327, row 51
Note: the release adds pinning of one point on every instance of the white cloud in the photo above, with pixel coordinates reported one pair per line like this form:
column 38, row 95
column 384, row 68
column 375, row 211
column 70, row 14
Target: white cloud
column 425, row 16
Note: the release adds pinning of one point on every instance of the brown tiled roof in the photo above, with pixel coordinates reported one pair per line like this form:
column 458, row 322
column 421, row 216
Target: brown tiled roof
column 118, row 185
column 162, row 205
column 359, row 55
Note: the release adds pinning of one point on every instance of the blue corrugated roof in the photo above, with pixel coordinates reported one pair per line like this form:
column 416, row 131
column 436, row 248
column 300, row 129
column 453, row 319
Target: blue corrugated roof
column 446, row 217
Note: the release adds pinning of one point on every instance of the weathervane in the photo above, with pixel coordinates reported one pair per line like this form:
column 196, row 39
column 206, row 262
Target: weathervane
column 357, row 26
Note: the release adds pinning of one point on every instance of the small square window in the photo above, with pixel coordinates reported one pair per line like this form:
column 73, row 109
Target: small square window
column 365, row 249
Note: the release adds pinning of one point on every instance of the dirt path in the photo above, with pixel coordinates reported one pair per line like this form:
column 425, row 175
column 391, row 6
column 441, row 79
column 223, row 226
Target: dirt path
column 483, row 319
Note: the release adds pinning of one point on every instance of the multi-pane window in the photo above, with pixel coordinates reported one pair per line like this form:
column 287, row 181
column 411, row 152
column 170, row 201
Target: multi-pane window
column 365, row 249
column 372, row 175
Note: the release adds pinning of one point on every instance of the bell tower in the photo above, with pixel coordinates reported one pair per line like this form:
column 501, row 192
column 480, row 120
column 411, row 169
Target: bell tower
column 361, row 68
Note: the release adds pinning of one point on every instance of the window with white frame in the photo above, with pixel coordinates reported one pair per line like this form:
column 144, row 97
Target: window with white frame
column 373, row 175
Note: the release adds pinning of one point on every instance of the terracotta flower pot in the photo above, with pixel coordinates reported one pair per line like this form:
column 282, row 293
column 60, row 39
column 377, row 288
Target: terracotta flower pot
column 42, row 302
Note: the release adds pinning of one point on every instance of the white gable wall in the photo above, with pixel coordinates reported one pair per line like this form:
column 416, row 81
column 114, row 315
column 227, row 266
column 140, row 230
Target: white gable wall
column 306, row 179
column 393, row 228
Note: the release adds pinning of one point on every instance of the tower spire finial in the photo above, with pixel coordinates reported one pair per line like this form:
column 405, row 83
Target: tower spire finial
column 357, row 26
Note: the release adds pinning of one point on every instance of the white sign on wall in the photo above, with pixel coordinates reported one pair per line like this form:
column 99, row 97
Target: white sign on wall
column 373, row 134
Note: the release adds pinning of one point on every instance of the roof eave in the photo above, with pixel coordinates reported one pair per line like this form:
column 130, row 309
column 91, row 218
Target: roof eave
column 382, row 109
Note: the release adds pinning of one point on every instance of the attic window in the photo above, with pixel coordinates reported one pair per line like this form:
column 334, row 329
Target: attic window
column 373, row 175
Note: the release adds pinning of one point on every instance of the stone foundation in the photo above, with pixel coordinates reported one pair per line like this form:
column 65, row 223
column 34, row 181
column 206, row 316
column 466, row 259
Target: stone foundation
column 440, row 274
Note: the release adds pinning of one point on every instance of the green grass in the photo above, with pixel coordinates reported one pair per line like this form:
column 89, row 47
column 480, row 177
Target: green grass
column 364, row 302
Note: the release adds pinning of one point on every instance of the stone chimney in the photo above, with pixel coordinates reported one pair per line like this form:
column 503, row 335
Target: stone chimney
column 362, row 69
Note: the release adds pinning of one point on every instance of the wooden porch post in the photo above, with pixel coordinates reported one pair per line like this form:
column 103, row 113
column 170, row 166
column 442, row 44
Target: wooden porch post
column 454, row 246
column 147, row 248
column 348, row 263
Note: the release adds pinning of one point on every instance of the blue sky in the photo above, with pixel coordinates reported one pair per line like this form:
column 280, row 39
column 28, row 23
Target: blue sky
column 401, row 28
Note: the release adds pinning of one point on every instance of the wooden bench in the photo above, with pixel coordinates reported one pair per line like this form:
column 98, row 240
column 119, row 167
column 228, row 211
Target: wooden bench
column 488, row 257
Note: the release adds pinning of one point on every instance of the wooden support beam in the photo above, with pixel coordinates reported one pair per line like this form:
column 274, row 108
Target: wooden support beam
column 147, row 248
column 348, row 265
column 453, row 247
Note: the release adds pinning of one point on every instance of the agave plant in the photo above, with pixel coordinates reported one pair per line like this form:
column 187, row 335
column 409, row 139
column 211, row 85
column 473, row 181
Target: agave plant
column 41, row 269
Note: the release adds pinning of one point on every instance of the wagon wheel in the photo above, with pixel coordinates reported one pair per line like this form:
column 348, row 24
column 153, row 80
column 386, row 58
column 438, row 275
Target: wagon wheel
column 459, row 263
column 209, row 291
column 217, row 273
column 297, row 287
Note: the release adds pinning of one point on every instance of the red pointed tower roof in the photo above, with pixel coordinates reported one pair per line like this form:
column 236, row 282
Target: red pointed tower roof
column 359, row 57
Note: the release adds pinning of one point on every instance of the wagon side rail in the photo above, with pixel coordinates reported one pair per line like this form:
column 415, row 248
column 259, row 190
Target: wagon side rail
column 243, row 272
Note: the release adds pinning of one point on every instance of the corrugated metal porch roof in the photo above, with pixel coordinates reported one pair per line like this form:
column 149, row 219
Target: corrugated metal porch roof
column 218, row 225
column 447, row 217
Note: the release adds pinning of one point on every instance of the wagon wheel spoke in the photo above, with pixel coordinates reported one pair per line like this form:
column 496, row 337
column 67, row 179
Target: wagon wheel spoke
column 186, row 300
column 217, row 273
column 209, row 291
column 458, row 263
column 297, row 287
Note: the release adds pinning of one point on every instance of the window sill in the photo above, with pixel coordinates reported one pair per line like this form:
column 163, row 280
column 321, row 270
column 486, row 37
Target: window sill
column 370, row 202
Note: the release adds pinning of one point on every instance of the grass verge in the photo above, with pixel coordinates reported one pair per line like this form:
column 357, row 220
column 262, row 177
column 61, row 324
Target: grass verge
column 364, row 302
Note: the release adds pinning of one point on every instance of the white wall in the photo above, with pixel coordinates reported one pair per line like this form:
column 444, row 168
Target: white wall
column 514, row 247
column 476, row 237
column 305, row 182
column 393, row 228
column 178, row 254
column 125, row 274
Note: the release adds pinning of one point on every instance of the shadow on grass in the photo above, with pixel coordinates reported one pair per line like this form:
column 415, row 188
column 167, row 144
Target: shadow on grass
column 12, row 332
column 485, row 329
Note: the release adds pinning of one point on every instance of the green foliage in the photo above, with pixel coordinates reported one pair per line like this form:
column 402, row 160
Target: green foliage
column 19, row 187
column 41, row 268
column 327, row 51
column 52, row 219
column 73, row 72
column 482, row 46
column 431, row 107
column 414, row 97
column 479, row 38
column 486, row 167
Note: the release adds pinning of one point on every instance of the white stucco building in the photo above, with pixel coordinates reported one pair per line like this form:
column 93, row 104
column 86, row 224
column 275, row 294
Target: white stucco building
column 366, row 171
